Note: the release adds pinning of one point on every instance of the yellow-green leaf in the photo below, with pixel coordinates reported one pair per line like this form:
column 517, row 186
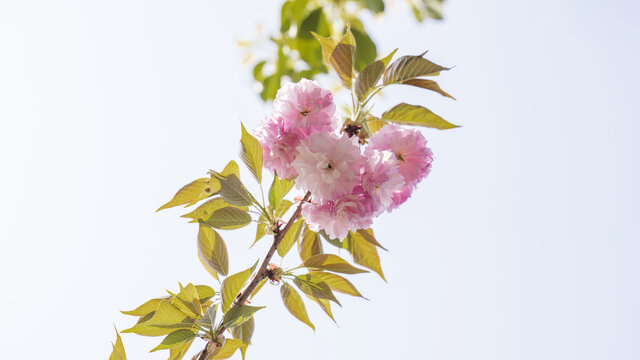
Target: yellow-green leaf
column 364, row 252
column 309, row 244
column 234, row 192
column 293, row 302
column 416, row 115
column 177, row 353
column 237, row 315
column 204, row 211
column 205, row 292
column 232, row 285
column 193, row 192
column 145, row 308
column 228, row 218
column 337, row 283
column 314, row 286
column 342, row 58
column 367, row 234
column 427, row 84
column 258, row 287
column 410, row 67
column 175, row 339
column 166, row 319
column 283, row 208
column 374, row 124
column 328, row 44
column 251, row 153
column 228, row 349
column 331, row 262
column 188, row 301
column 208, row 267
column 324, row 304
column 279, row 189
column 244, row 332
column 118, row 349
column 368, row 78
column 213, row 250
column 290, row 238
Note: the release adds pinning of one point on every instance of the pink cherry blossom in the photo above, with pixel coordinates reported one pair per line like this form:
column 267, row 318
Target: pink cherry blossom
column 337, row 217
column 278, row 147
column 381, row 177
column 410, row 148
column 305, row 108
column 327, row 165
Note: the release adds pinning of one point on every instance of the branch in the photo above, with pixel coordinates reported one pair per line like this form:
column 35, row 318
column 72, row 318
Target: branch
column 262, row 270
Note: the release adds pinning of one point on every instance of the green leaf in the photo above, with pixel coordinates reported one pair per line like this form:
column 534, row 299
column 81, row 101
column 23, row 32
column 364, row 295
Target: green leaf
column 364, row 252
column 212, row 250
column 258, row 287
column 232, row 285
column 283, row 208
column 427, row 84
column 416, row 115
column 293, row 302
column 231, row 168
column 376, row 6
column 331, row 262
column 410, row 67
column 118, row 349
column 193, row 192
column 244, row 332
column 365, row 51
column 237, row 315
column 228, row 349
column 177, row 353
column 327, row 44
column 204, row 211
column 188, row 301
column 209, row 318
column 205, row 293
column 324, row 304
column 175, row 339
column 309, row 244
column 279, row 189
column 341, row 59
column 261, row 230
column 166, row 319
column 251, row 153
column 314, row 286
column 229, row 218
column 145, row 308
column 370, row 75
column 234, row 192
column 367, row 234
column 314, row 22
column 337, row 283
column 290, row 238
column 374, row 124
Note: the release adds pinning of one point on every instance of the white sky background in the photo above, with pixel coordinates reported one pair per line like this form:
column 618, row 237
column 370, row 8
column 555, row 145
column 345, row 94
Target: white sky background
column 521, row 244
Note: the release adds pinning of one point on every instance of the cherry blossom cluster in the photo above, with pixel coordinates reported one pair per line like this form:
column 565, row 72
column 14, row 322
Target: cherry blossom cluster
column 350, row 183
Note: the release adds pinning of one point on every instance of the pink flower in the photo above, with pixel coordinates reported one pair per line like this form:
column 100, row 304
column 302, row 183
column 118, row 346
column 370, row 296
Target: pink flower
column 278, row 147
column 410, row 148
column 305, row 108
column 381, row 178
column 327, row 165
column 337, row 217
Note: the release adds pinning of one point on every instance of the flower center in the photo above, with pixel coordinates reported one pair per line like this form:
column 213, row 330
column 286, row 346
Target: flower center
column 304, row 113
column 399, row 157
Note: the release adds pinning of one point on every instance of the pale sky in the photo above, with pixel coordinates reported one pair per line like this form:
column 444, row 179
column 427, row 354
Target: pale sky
column 521, row 244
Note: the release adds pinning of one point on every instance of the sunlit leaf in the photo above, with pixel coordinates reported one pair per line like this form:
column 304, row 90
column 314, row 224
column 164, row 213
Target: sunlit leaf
column 205, row 292
column 167, row 318
column 370, row 75
column 416, row 115
column 290, row 238
column 337, row 283
column 279, row 189
column 118, row 349
column 283, row 208
column 324, row 304
column 314, row 286
column 193, row 192
column 244, row 332
column 208, row 267
column 232, row 285
column 367, row 234
column 188, row 301
column 258, row 287
column 309, row 244
column 251, row 153
column 204, row 211
column 209, row 318
column 365, row 51
column 237, row 315
column 341, row 59
column 293, row 302
column 410, row 67
column 364, row 252
column 229, row 218
column 374, row 124
column 145, row 308
column 427, row 84
column 328, row 44
column 228, row 349
column 175, row 339
column 177, row 353
column 260, row 231
column 213, row 250
column 331, row 262
column 234, row 192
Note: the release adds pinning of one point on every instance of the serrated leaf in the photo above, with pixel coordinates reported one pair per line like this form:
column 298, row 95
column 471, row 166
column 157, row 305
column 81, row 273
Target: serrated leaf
column 309, row 244
column 290, row 238
column 244, row 332
column 341, row 59
column 294, row 304
column 314, row 286
column 251, row 153
column 364, row 252
column 427, row 84
column 228, row 349
column 416, row 115
column 205, row 293
column 237, row 315
column 118, row 352
column 228, row 218
column 166, row 319
column 232, row 285
column 279, row 189
column 331, row 262
column 188, row 301
column 410, row 67
column 234, row 192
column 204, row 211
column 193, row 192
column 175, row 339
column 213, row 250
column 145, row 308
column 337, row 283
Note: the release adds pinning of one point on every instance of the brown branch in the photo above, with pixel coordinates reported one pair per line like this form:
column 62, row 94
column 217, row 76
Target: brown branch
column 262, row 270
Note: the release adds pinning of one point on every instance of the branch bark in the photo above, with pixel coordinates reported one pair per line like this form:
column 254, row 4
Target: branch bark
column 262, row 270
